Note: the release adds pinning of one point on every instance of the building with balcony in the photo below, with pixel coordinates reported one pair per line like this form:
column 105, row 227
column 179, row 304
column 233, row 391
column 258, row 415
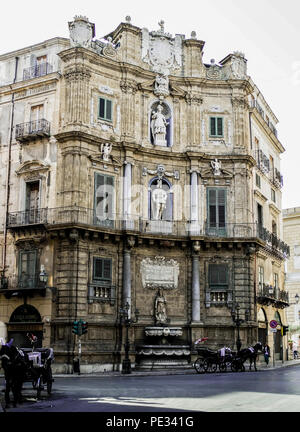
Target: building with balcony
column 291, row 234
column 134, row 172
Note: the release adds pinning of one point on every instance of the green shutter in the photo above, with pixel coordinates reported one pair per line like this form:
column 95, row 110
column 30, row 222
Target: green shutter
column 219, row 126
column 102, row 269
column 218, row 276
column 216, row 207
column 213, row 126
column 105, row 109
column 104, row 196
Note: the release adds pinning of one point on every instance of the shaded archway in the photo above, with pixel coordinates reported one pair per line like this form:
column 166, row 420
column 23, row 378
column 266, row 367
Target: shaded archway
column 262, row 326
column 278, row 338
column 25, row 319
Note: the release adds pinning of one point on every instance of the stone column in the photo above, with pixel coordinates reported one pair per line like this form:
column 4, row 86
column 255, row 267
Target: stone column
column 194, row 196
column 127, row 272
column 127, row 190
column 195, row 283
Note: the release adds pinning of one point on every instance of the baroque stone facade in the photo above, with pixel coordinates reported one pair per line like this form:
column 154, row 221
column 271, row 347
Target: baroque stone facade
column 131, row 172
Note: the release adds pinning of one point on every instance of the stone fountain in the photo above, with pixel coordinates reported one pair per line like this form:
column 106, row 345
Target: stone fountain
column 162, row 350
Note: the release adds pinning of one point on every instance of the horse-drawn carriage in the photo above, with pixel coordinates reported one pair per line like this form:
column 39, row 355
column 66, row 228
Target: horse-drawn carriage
column 225, row 359
column 26, row 365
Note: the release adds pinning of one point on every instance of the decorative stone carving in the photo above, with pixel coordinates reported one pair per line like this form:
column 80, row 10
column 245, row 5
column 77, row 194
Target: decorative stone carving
column 163, row 331
column 160, row 308
column 159, row 127
column 214, row 71
column 161, row 172
column 105, row 151
column 161, row 85
column 109, row 49
column 81, row 32
column 160, row 51
column 159, row 273
column 239, row 65
column 216, row 167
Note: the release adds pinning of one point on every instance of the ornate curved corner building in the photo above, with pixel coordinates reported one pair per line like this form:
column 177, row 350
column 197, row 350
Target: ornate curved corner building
column 135, row 173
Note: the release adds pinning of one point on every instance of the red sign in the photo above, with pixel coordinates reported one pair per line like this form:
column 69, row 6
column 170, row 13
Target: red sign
column 273, row 324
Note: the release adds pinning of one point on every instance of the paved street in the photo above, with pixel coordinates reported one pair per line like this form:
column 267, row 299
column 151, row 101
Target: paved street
column 274, row 390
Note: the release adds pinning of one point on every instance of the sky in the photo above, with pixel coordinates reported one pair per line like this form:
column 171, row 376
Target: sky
column 267, row 31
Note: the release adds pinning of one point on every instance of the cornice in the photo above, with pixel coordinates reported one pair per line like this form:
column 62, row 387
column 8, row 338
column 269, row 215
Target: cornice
column 260, row 195
column 277, row 144
column 31, row 83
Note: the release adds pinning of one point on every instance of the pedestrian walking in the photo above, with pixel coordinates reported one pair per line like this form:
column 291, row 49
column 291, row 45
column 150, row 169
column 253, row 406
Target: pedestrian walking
column 295, row 351
column 267, row 353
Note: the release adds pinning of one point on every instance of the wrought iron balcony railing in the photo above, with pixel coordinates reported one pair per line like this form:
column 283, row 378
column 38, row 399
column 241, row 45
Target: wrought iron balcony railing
column 255, row 104
column 37, row 71
column 270, row 295
column 32, row 129
column 84, row 216
column 24, row 284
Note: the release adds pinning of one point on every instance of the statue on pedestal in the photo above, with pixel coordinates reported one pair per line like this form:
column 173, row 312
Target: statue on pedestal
column 159, row 127
column 160, row 309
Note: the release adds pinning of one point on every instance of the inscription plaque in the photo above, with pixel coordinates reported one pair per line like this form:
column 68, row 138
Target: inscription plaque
column 159, row 273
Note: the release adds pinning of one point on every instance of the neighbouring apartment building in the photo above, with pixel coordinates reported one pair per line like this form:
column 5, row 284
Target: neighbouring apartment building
column 135, row 174
column 291, row 234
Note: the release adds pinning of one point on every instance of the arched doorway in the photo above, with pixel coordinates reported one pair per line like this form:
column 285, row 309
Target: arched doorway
column 262, row 326
column 25, row 319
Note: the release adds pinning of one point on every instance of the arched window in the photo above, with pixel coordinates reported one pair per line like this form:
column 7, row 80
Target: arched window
column 160, row 200
column 160, row 124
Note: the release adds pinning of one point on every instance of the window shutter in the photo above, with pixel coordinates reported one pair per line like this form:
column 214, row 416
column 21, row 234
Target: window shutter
column 220, row 126
column 212, row 199
column 98, row 273
column 101, row 108
column 107, row 269
column 221, row 207
column 213, row 126
column 108, row 110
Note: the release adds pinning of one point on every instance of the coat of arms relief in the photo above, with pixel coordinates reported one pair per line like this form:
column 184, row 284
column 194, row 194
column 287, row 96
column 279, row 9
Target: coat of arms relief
column 161, row 51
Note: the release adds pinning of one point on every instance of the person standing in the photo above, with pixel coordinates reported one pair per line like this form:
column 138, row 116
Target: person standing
column 267, row 353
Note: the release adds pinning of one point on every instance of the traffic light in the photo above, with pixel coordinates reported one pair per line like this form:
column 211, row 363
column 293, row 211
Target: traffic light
column 285, row 329
column 79, row 328
column 75, row 327
column 84, row 327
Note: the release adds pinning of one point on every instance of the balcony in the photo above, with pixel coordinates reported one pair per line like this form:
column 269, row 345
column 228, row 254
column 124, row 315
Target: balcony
column 27, row 217
column 263, row 162
column 218, row 298
column 273, row 243
column 101, row 292
column 256, row 105
column 277, row 178
column 23, row 286
column 268, row 295
column 37, row 71
column 32, row 130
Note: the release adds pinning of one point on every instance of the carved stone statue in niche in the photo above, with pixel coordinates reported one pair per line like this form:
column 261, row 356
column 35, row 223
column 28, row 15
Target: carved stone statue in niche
column 159, row 126
column 160, row 308
column 159, row 198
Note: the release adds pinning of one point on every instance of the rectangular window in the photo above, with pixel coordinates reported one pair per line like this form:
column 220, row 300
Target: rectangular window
column 27, row 269
column 218, row 277
column 273, row 195
column 258, row 181
column 216, row 127
column 102, row 269
column 260, row 278
column 216, row 207
column 104, row 199
column 105, row 109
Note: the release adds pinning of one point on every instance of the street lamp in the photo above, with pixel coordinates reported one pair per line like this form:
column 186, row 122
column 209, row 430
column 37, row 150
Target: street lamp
column 297, row 298
column 124, row 314
column 235, row 314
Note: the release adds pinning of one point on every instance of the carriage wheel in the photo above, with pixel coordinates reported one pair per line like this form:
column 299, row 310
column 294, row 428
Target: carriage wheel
column 39, row 387
column 49, row 382
column 199, row 366
column 234, row 366
column 206, row 365
column 213, row 367
column 222, row 367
